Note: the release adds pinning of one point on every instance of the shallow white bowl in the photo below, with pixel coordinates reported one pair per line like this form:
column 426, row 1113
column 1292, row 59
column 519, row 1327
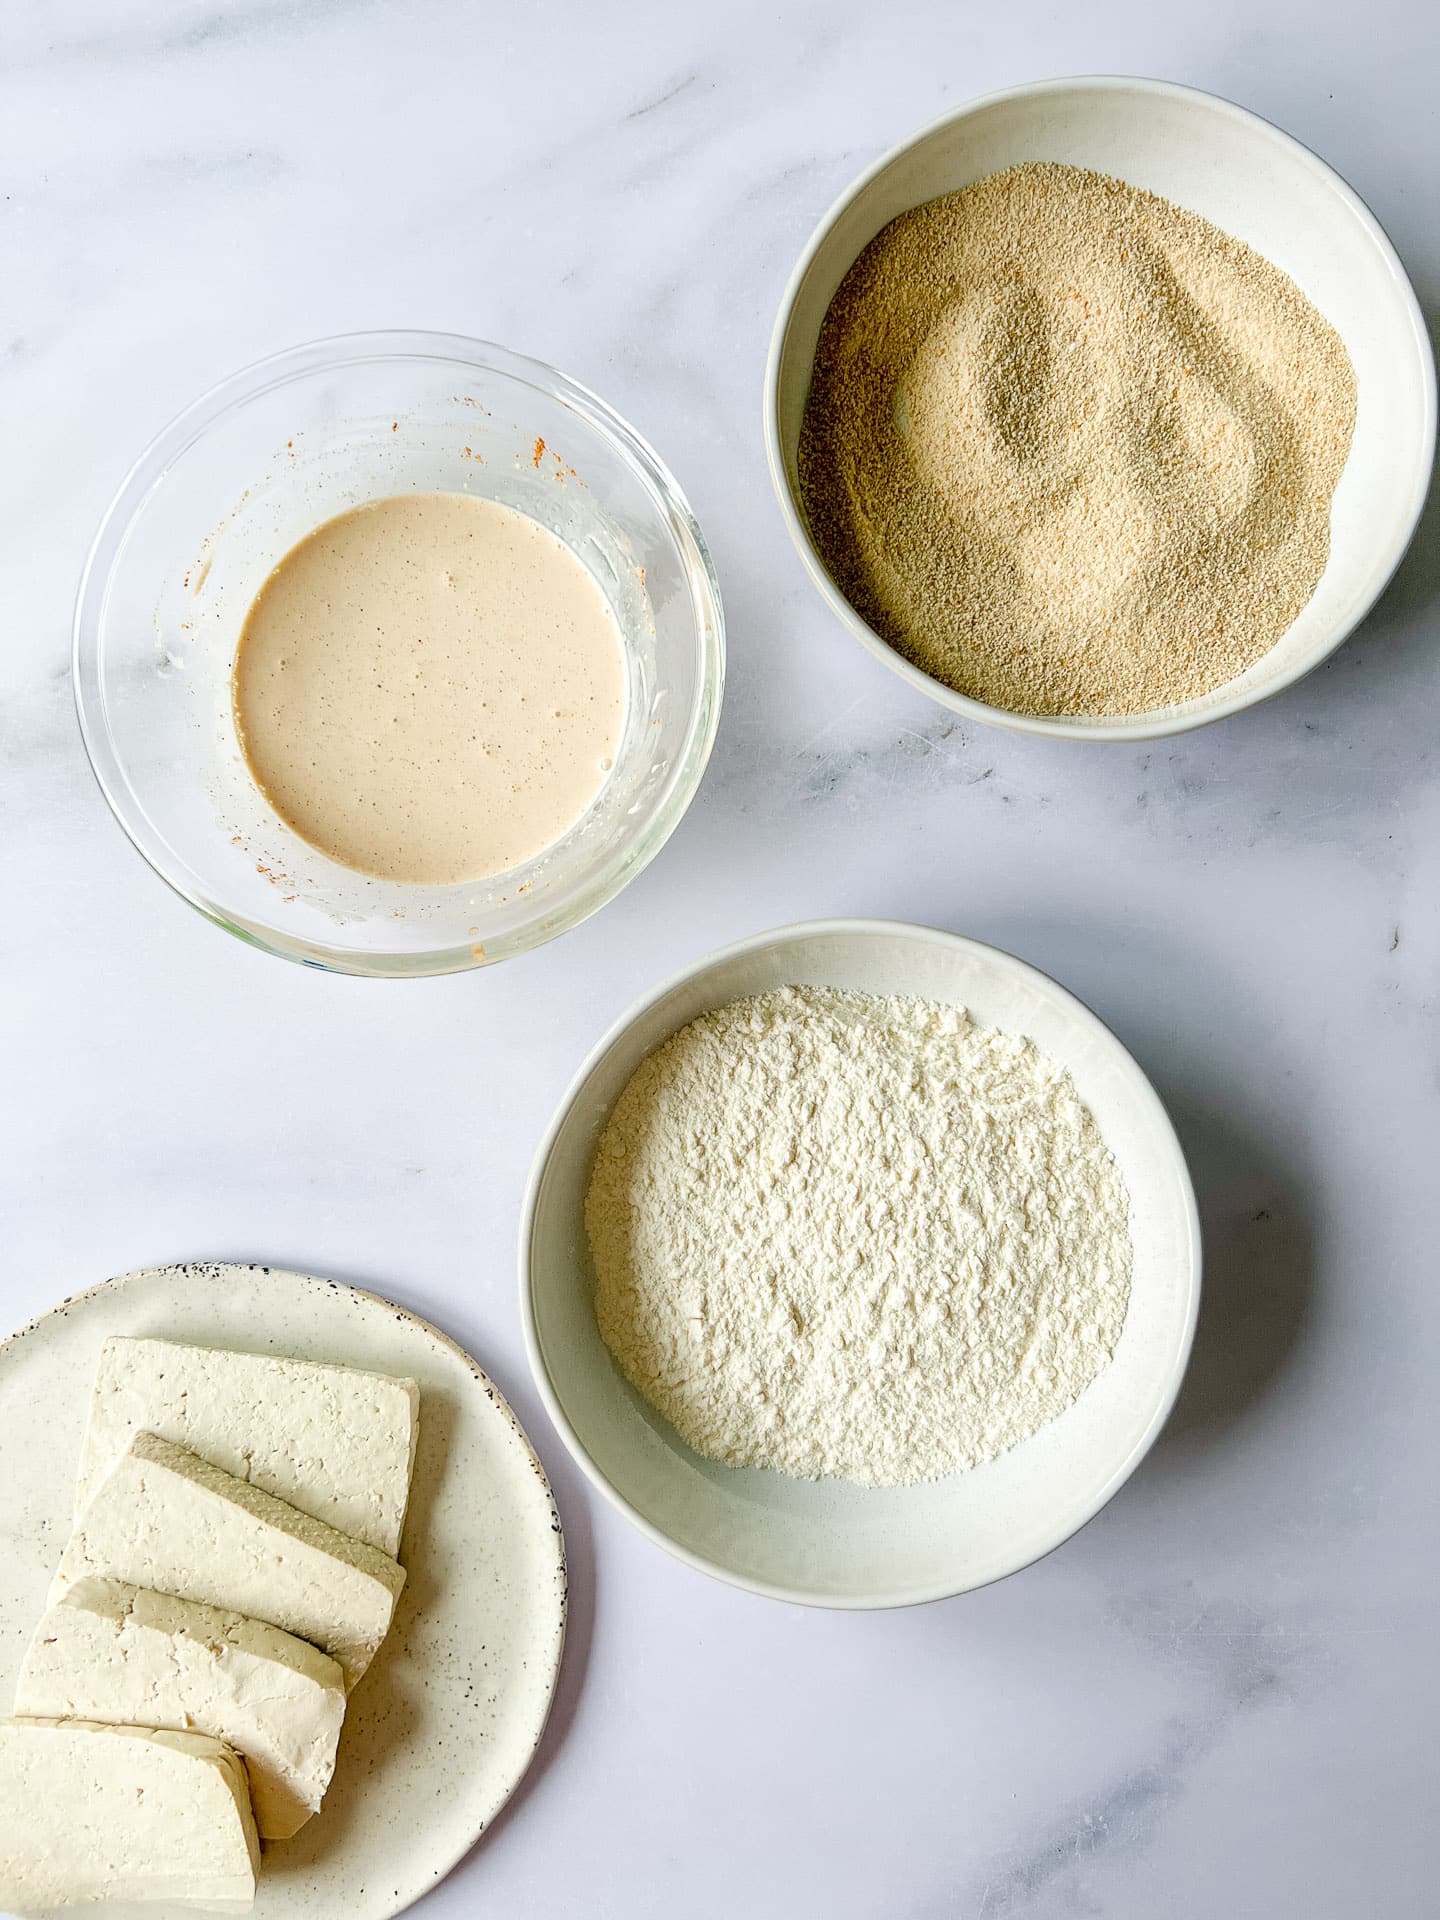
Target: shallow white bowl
column 1257, row 184
column 828, row 1543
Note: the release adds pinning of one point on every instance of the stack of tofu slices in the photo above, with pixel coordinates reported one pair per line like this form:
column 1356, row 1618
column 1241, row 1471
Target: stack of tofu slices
column 230, row 1576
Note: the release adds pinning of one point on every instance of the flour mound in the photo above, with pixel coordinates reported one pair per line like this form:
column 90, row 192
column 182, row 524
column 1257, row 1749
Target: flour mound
column 837, row 1234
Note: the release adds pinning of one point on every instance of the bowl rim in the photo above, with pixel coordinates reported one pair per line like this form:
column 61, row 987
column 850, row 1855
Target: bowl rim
column 1161, row 723
column 357, row 349
column 862, row 928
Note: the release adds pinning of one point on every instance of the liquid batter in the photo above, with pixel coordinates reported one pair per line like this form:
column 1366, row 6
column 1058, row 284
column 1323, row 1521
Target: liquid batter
column 430, row 688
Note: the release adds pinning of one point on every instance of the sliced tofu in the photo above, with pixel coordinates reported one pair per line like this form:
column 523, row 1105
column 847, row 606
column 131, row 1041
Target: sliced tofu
column 166, row 1519
column 122, row 1813
column 125, row 1654
column 336, row 1442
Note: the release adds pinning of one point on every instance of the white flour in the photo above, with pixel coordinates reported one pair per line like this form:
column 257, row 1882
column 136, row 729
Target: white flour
column 835, row 1234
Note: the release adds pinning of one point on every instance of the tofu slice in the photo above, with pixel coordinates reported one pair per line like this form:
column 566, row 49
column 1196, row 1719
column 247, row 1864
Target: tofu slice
column 122, row 1813
column 128, row 1655
column 166, row 1519
column 336, row 1442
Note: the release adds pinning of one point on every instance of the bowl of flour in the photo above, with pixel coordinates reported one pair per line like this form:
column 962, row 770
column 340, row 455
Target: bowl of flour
column 860, row 1264
column 1100, row 409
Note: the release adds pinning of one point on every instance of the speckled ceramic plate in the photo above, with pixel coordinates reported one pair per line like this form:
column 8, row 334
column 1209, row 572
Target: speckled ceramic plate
column 445, row 1723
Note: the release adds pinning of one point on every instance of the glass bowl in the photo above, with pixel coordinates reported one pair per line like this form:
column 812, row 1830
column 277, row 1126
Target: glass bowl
column 218, row 499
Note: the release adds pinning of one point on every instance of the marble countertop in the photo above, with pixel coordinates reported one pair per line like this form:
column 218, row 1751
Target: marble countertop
column 1221, row 1698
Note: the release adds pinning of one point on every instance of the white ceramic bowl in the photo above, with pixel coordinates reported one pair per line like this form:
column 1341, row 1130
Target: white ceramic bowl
column 1257, row 184
column 828, row 1543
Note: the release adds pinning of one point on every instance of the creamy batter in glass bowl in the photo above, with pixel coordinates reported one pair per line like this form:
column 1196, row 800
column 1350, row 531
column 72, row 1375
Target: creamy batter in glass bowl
column 230, row 487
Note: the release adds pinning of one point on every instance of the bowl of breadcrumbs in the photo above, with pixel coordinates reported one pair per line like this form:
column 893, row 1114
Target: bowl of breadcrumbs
column 1100, row 409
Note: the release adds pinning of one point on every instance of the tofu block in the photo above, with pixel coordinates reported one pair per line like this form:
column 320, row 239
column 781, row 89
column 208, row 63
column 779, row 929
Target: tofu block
column 336, row 1442
column 166, row 1519
column 122, row 1813
column 131, row 1656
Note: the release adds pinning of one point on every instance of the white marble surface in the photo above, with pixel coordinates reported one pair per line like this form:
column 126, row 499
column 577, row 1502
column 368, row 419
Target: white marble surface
column 1221, row 1699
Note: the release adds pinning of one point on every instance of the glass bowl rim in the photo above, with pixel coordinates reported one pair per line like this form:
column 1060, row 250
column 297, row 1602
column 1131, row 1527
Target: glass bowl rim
column 377, row 347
